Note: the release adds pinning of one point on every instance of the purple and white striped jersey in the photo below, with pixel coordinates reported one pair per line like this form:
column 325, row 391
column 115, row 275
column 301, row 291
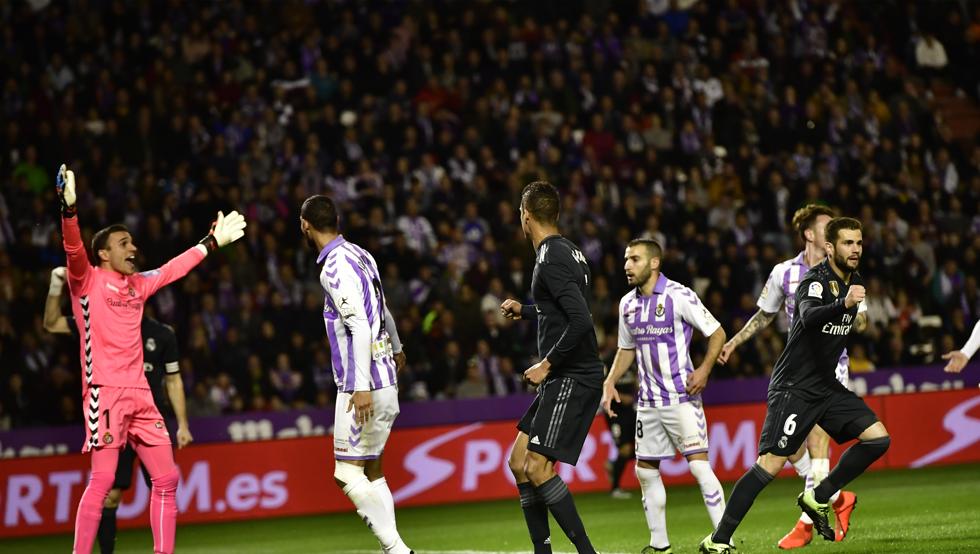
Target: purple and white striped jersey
column 780, row 291
column 360, row 329
column 659, row 328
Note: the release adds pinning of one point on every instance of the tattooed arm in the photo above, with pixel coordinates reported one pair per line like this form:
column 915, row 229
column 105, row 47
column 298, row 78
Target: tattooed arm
column 758, row 321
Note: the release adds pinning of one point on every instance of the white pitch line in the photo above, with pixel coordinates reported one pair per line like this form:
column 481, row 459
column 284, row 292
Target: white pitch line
column 460, row 552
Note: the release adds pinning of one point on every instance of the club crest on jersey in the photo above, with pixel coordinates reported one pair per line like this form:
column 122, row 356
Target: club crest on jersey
column 132, row 291
column 107, row 438
column 151, row 344
column 834, row 289
column 159, row 425
column 660, row 310
column 815, row 290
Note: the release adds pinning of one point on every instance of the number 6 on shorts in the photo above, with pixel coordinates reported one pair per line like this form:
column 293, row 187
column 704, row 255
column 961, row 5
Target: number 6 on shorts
column 790, row 426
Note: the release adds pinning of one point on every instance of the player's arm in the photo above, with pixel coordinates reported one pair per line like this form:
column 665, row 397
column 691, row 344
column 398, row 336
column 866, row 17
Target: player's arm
column 625, row 355
column 396, row 342
column 512, row 309
column 225, row 230
column 175, row 388
column 811, row 308
column 54, row 321
column 347, row 296
column 769, row 302
column 561, row 281
column 959, row 358
column 861, row 321
column 79, row 268
column 695, row 313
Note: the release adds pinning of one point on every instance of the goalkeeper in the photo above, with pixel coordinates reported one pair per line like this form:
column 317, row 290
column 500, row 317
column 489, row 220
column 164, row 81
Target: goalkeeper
column 107, row 301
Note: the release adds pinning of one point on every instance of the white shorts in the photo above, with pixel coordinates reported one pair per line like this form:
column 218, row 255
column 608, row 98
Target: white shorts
column 660, row 432
column 367, row 442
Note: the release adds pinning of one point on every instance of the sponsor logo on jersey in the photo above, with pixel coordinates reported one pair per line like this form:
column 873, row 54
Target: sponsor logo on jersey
column 834, row 289
column 815, row 290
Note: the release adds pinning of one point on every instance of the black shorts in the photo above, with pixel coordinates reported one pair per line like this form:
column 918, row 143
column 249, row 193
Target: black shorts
column 559, row 419
column 623, row 426
column 127, row 456
column 789, row 419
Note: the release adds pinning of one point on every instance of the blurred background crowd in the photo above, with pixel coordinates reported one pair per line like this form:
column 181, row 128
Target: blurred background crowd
column 702, row 124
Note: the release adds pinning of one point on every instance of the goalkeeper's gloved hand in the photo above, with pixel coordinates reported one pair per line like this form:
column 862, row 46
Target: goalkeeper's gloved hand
column 65, row 183
column 225, row 230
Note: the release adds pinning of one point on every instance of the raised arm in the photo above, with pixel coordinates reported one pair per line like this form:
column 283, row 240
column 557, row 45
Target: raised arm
column 813, row 312
column 225, row 230
column 79, row 268
column 54, row 320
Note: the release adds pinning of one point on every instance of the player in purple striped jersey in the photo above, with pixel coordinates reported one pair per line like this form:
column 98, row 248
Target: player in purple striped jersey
column 656, row 322
column 366, row 356
column 812, row 463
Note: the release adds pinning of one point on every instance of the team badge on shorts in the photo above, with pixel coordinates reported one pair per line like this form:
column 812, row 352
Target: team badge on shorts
column 660, row 310
column 107, row 438
column 783, row 440
column 834, row 289
column 159, row 425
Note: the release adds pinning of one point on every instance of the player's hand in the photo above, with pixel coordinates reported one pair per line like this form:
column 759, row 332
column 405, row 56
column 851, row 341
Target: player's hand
column 696, row 381
column 228, row 228
column 855, row 295
column 538, row 372
column 58, row 276
column 957, row 361
column 511, row 309
column 400, row 361
column 609, row 394
column 726, row 351
column 363, row 405
column 65, row 184
column 184, row 437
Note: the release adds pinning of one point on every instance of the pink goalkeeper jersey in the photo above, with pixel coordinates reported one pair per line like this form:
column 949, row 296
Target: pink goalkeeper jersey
column 108, row 309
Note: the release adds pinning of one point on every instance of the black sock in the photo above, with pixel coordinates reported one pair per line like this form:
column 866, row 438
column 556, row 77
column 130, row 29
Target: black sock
column 107, row 531
column 617, row 470
column 743, row 495
column 562, row 506
column 852, row 463
column 536, row 516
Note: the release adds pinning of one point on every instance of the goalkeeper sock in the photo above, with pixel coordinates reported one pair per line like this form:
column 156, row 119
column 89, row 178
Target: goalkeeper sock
column 536, row 517
column 562, row 507
column 107, row 531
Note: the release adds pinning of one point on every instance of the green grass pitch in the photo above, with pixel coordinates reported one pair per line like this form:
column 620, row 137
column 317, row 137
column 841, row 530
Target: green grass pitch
column 927, row 510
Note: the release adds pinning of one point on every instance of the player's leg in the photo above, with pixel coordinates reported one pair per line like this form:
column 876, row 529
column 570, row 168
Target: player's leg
column 849, row 417
column 149, row 435
column 123, row 480
column 354, row 446
column 652, row 446
column 688, row 430
column 104, row 461
column 622, row 428
column 788, row 421
column 532, row 504
column 558, row 431
column 104, row 437
column 386, row 411
column 818, row 445
column 802, row 533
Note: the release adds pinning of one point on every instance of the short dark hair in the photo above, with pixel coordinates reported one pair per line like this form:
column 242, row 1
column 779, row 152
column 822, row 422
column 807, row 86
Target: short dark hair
column 100, row 240
column 320, row 212
column 836, row 225
column 653, row 247
column 540, row 199
column 805, row 217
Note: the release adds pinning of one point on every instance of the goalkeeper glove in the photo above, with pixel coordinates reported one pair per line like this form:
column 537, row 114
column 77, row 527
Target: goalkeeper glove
column 225, row 230
column 65, row 184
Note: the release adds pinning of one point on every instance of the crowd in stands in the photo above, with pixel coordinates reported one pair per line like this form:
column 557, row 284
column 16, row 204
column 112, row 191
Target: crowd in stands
column 702, row 124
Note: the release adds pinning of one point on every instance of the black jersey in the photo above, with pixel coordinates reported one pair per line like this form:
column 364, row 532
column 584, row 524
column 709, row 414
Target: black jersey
column 560, row 285
column 160, row 357
column 819, row 334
